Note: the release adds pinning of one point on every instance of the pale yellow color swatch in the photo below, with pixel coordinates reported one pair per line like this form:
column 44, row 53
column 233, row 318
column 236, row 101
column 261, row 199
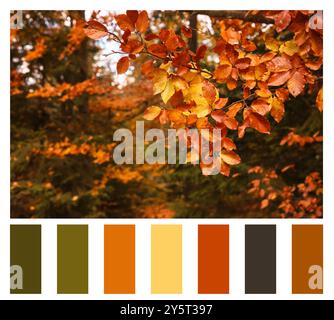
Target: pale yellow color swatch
column 166, row 258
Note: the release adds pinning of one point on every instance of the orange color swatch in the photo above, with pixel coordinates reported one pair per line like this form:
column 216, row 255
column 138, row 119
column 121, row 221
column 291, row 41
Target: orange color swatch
column 307, row 259
column 213, row 259
column 119, row 259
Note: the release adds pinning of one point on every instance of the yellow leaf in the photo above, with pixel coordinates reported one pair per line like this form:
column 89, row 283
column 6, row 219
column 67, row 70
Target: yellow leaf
column 289, row 47
column 201, row 110
column 151, row 112
column 180, row 84
column 272, row 44
column 206, row 74
column 277, row 109
column 166, row 66
column 159, row 78
column 168, row 92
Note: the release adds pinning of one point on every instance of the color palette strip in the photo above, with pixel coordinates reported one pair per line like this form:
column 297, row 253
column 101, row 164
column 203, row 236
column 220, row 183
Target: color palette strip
column 307, row 259
column 213, row 260
column 25, row 258
column 166, row 258
column 119, row 259
column 260, row 259
column 72, row 252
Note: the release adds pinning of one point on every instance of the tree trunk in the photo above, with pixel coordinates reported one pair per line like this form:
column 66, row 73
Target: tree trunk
column 193, row 27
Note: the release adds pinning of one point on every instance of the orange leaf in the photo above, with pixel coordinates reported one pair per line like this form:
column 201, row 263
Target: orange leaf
column 243, row 63
column 222, row 72
column 142, row 22
column 202, row 123
column 228, row 144
column 264, row 92
column 133, row 46
column 176, row 117
column 217, row 115
column 264, row 203
column 259, row 122
column 225, row 169
column 316, row 43
column 158, row 50
column 296, row 83
column 220, row 103
column 231, row 36
column 210, row 92
column 267, row 57
column 123, row 65
column 319, row 100
column 133, row 15
column 95, row 30
column 279, row 78
column 242, row 128
column 231, row 84
column 173, row 42
column 187, row 32
column 234, row 109
column 164, row 34
column 221, row 117
column 192, row 119
column 132, row 56
column 147, row 67
column 282, row 20
column 126, row 35
column 200, row 53
column 230, row 123
column 230, row 157
column 163, row 117
column 282, row 94
column 277, row 109
column 124, row 22
column 151, row 113
column 279, row 64
column 260, row 106
column 151, row 36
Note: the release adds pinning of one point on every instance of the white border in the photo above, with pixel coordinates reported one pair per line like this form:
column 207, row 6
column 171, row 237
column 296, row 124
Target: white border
column 49, row 265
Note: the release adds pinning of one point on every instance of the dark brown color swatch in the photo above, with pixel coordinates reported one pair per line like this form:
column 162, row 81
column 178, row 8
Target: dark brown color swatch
column 260, row 258
column 213, row 259
column 25, row 256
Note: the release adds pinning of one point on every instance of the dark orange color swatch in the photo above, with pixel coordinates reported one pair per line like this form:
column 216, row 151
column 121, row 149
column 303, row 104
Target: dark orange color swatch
column 119, row 259
column 307, row 259
column 213, row 259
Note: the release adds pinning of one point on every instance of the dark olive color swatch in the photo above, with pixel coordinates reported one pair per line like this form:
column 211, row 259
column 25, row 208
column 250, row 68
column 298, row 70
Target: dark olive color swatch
column 72, row 251
column 260, row 258
column 25, row 258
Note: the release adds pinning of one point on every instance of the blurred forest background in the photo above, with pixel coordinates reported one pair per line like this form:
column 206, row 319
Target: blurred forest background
column 67, row 100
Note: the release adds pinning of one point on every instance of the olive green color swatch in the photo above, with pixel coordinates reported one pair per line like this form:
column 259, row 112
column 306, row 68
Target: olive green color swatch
column 25, row 259
column 72, row 263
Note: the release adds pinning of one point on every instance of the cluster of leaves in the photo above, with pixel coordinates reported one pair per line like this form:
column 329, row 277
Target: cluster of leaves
column 66, row 104
column 293, row 138
column 66, row 91
column 298, row 200
column 190, row 94
column 99, row 154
